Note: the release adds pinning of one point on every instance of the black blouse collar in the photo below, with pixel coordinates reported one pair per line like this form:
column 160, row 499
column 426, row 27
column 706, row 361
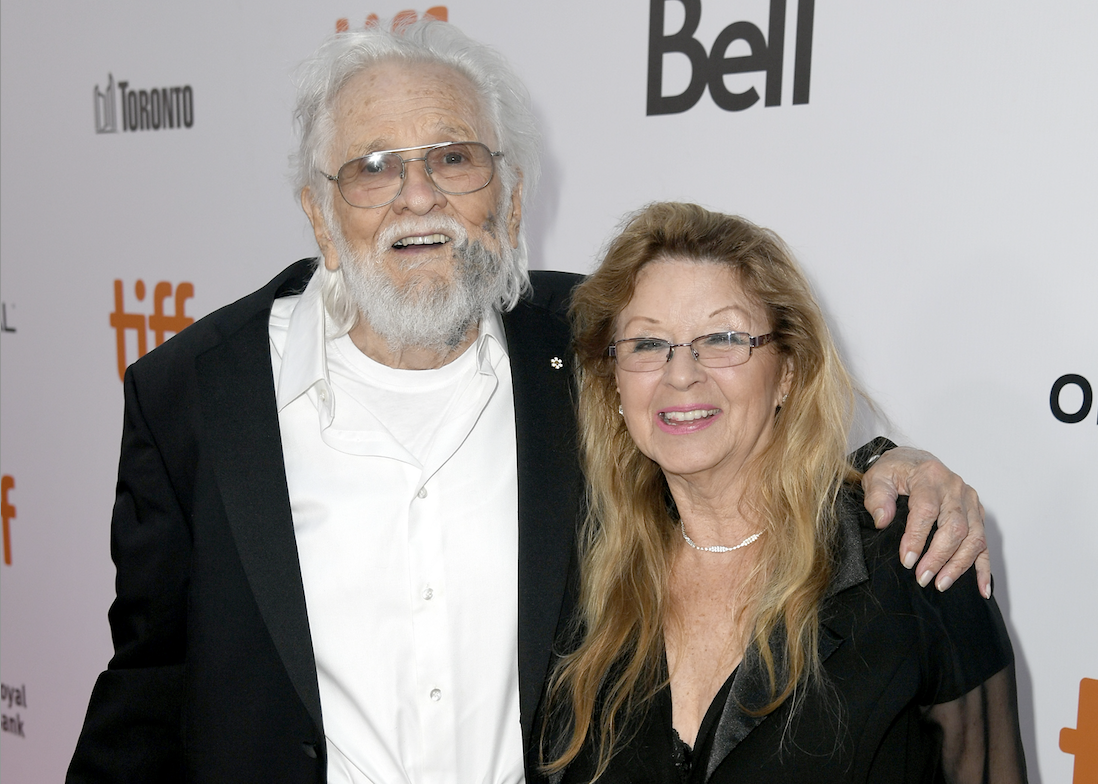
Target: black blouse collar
column 750, row 688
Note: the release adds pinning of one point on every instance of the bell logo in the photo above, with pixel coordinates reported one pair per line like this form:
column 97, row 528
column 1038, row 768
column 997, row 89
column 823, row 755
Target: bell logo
column 1083, row 740
column 7, row 512
column 438, row 12
column 159, row 323
column 710, row 68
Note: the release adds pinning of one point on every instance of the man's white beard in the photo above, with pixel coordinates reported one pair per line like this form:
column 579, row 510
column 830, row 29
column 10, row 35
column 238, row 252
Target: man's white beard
column 427, row 312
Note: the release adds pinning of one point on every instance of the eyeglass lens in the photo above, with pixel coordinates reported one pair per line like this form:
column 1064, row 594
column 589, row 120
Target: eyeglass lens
column 374, row 180
column 722, row 349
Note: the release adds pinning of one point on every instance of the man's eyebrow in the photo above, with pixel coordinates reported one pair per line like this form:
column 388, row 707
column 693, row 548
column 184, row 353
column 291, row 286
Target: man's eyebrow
column 381, row 145
column 458, row 134
column 365, row 148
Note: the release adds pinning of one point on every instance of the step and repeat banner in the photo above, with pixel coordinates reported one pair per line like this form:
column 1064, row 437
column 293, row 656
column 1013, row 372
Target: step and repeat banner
column 932, row 164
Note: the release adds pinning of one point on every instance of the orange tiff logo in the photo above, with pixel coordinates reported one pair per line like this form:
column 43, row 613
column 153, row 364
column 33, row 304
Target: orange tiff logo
column 7, row 512
column 438, row 12
column 1083, row 740
column 159, row 323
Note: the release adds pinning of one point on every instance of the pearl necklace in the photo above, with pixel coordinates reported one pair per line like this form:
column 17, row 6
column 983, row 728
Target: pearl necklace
column 717, row 548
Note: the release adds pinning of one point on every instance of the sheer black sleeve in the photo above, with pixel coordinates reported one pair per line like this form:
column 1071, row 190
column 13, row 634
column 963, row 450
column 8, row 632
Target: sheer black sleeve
column 981, row 739
column 968, row 692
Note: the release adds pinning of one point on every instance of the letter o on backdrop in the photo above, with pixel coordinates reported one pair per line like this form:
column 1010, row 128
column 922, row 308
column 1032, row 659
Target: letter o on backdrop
column 1054, row 398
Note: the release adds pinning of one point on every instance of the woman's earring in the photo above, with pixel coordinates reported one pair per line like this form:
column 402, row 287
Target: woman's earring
column 621, row 410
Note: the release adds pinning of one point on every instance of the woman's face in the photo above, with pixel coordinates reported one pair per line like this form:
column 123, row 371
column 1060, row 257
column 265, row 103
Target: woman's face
column 696, row 422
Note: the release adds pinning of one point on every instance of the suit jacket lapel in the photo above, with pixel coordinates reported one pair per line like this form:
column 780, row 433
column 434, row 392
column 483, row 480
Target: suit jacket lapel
column 245, row 450
column 550, row 488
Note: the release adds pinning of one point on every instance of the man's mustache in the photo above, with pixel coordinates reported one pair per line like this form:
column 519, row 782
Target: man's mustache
column 413, row 227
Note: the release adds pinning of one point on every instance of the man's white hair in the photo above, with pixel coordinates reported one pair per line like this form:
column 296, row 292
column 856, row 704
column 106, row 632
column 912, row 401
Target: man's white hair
column 504, row 101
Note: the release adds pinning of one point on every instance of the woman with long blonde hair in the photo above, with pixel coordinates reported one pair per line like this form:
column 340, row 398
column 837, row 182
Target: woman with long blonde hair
column 739, row 618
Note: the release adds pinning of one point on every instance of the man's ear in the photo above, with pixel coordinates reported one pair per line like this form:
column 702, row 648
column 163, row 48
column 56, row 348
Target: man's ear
column 320, row 230
column 514, row 217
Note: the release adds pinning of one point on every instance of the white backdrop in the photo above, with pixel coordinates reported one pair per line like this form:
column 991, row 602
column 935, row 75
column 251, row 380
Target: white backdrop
column 939, row 185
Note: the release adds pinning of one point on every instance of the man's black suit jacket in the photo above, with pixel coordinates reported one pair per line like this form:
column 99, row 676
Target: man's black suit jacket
column 213, row 677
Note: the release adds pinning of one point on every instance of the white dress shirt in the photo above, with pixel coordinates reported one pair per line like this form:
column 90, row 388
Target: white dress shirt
column 404, row 493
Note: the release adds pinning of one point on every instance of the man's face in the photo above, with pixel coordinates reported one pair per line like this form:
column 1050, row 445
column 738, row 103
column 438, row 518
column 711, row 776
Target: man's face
column 392, row 106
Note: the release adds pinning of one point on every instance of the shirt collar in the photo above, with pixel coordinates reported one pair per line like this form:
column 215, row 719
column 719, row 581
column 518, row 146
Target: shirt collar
column 304, row 355
column 491, row 343
column 305, row 360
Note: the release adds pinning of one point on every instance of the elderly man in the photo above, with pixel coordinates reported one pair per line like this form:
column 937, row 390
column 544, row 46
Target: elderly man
column 345, row 506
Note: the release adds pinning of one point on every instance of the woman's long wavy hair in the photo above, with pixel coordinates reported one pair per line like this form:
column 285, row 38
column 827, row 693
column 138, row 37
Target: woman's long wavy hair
column 630, row 535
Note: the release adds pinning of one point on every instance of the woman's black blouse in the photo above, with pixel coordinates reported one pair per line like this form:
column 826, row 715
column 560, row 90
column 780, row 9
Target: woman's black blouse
column 919, row 688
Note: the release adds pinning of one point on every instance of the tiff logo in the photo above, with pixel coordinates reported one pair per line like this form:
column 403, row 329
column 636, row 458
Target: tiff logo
column 7, row 512
column 1083, row 740
column 764, row 54
column 159, row 323
column 159, row 108
column 438, row 12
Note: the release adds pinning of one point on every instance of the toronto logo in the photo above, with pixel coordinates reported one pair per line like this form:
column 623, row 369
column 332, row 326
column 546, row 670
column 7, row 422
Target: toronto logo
column 106, row 119
column 120, row 107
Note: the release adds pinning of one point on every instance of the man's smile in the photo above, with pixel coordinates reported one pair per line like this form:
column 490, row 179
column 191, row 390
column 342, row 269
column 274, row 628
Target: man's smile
column 426, row 239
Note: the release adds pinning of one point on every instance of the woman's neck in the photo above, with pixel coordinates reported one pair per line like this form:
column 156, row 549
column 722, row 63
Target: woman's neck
column 707, row 629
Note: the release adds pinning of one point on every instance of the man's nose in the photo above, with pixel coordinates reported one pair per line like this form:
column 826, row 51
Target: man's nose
column 418, row 193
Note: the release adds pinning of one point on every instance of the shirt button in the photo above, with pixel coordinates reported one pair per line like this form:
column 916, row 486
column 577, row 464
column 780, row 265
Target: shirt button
column 323, row 394
column 428, row 593
column 422, row 492
column 436, row 695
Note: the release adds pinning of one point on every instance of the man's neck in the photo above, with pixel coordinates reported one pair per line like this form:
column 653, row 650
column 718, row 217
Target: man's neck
column 407, row 357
